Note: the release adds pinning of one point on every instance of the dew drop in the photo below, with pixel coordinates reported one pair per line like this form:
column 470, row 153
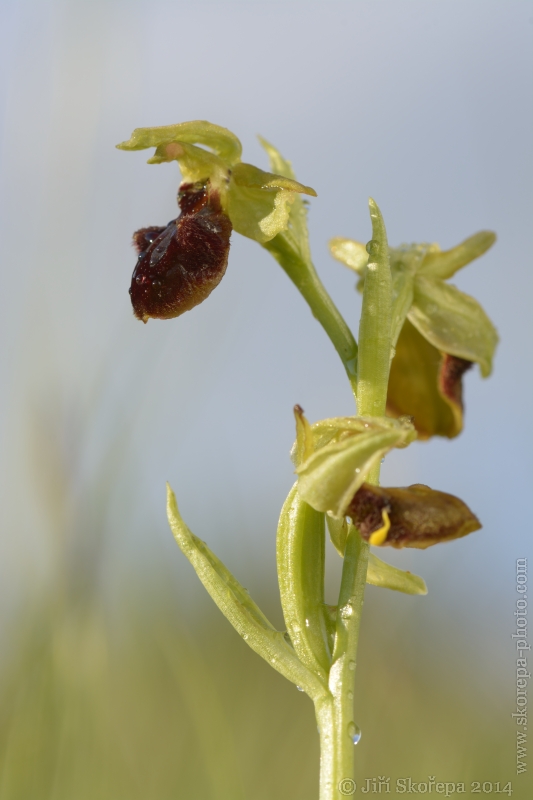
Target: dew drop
column 357, row 470
column 307, row 623
column 350, row 695
column 245, row 636
column 300, row 689
column 354, row 732
column 383, row 460
column 346, row 611
column 372, row 247
column 351, row 665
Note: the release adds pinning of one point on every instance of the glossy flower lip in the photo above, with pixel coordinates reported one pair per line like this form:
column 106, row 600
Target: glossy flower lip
column 438, row 331
column 414, row 516
column 256, row 202
column 179, row 265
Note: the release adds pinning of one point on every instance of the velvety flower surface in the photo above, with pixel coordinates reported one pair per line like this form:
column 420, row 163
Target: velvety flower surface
column 438, row 332
column 415, row 516
column 180, row 265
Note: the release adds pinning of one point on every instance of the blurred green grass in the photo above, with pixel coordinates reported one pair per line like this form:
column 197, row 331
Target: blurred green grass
column 97, row 703
column 140, row 694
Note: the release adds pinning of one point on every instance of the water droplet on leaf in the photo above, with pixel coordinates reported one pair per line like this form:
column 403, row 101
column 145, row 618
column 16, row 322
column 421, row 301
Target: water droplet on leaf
column 354, row 732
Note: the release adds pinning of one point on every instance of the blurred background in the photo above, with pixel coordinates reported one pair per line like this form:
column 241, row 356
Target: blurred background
column 118, row 679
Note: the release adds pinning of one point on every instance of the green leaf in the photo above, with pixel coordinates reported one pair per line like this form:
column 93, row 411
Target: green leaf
column 388, row 577
column 375, row 324
column 239, row 608
column 445, row 264
column 453, row 322
column 300, row 559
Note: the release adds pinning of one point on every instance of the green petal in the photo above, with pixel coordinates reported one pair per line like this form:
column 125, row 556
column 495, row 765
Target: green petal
column 304, row 444
column 352, row 254
column 388, row 577
column 329, row 479
column 296, row 232
column 419, row 387
column 222, row 141
column 445, row 264
column 453, row 322
column 195, row 163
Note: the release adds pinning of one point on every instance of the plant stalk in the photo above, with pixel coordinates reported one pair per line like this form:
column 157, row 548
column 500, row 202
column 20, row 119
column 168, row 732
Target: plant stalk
column 338, row 732
column 304, row 276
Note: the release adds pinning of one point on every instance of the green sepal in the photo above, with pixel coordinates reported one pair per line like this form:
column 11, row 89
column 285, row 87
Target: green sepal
column 254, row 178
column 453, row 322
column 378, row 573
column 417, row 387
column 444, row 264
column 340, row 452
column 239, row 608
column 388, row 577
column 222, row 141
column 329, row 479
column 300, row 556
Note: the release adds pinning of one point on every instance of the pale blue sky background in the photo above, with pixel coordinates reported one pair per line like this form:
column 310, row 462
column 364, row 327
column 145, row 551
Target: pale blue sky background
column 425, row 106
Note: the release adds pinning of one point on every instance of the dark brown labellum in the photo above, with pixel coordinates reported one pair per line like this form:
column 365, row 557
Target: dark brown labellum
column 418, row 516
column 180, row 265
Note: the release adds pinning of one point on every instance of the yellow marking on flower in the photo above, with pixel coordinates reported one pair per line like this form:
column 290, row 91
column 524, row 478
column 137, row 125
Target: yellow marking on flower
column 380, row 536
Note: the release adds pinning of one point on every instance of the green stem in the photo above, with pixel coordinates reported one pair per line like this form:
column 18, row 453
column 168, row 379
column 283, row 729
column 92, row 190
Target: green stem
column 335, row 716
column 338, row 731
column 304, row 276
